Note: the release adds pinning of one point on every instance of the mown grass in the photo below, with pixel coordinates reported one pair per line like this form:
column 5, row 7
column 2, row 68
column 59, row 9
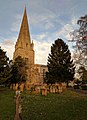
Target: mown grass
column 7, row 104
column 66, row 106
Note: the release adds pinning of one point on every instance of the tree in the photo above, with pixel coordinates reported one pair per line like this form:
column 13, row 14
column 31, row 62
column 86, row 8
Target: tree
column 18, row 70
column 60, row 65
column 83, row 74
column 4, row 67
column 79, row 36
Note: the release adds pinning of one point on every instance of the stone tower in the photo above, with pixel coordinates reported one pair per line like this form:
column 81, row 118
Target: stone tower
column 24, row 47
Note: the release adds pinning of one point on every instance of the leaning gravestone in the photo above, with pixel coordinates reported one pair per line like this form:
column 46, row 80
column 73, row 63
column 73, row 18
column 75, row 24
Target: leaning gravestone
column 18, row 106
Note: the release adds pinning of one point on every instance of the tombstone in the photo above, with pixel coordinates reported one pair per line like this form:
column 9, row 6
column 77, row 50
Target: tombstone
column 64, row 86
column 28, row 86
column 45, row 84
column 17, row 93
column 51, row 89
column 22, row 87
column 56, row 89
column 37, row 89
column 44, row 91
column 60, row 88
column 48, row 89
column 16, row 86
column 13, row 86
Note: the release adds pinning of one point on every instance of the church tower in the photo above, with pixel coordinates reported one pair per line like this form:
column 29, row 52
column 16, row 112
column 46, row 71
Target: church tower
column 24, row 47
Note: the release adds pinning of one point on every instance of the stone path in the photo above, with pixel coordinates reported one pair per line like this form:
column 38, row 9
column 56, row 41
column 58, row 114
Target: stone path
column 18, row 108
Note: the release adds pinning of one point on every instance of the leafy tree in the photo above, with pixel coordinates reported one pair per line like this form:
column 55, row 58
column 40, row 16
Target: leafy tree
column 83, row 74
column 79, row 36
column 4, row 67
column 18, row 70
column 60, row 65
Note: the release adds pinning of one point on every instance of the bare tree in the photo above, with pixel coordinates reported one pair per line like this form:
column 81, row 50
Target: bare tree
column 79, row 37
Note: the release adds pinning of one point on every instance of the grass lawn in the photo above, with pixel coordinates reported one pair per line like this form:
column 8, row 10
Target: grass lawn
column 7, row 104
column 66, row 106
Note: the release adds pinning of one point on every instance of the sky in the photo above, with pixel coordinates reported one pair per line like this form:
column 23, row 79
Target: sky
column 48, row 20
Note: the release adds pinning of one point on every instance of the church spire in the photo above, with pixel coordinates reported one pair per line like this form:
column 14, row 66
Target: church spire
column 24, row 35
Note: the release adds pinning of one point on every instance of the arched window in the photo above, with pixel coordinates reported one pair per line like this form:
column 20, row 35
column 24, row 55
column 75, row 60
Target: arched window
column 26, row 44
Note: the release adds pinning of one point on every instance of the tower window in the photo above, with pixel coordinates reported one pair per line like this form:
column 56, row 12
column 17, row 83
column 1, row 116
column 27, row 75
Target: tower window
column 43, row 70
column 26, row 44
column 26, row 59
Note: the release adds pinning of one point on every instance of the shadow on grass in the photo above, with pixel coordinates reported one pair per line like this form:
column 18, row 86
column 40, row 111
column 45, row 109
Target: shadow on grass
column 66, row 106
column 7, row 104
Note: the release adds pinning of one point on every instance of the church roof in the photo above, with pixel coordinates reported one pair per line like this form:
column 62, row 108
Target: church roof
column 24, row 34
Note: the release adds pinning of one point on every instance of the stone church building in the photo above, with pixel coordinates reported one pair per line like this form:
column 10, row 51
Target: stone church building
column 25, row 48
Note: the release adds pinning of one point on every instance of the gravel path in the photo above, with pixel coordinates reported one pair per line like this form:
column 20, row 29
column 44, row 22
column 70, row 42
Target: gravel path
column 82, row 92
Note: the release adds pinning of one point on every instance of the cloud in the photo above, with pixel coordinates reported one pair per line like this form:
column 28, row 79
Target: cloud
column 40, row 37
column 16, row 23
column 38, row 18
column 43, row 19
column 8, row 42
column 1, row 38
column 67, row 28
column 49, row 25
column 74, row 21
column 8, row 45
column 42, row 50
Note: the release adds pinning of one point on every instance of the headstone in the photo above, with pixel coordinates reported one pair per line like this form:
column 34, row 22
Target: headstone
column 44, row 91
column 13, row 86
column 51, row 89
column 54, row 89
column 64, row 86
column 16, row 87
column 22, row 87
column 17, row 93
column 48, row 89
column 60, row 88
column 37, row 89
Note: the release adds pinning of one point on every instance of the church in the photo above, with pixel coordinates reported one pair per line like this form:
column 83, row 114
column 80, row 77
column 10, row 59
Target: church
column 24, row 47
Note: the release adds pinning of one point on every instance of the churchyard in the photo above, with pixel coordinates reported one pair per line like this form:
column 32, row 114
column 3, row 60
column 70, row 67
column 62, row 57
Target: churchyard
column 7, row 104
column 67, row 105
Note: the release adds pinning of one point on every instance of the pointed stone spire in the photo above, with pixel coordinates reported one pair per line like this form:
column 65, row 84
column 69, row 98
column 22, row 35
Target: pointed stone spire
column 24, row 35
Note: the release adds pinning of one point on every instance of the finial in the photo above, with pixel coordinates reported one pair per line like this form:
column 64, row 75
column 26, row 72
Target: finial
column 25, row 8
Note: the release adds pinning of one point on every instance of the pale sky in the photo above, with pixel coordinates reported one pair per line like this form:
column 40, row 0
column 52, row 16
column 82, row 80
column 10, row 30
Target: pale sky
column 48, row 21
